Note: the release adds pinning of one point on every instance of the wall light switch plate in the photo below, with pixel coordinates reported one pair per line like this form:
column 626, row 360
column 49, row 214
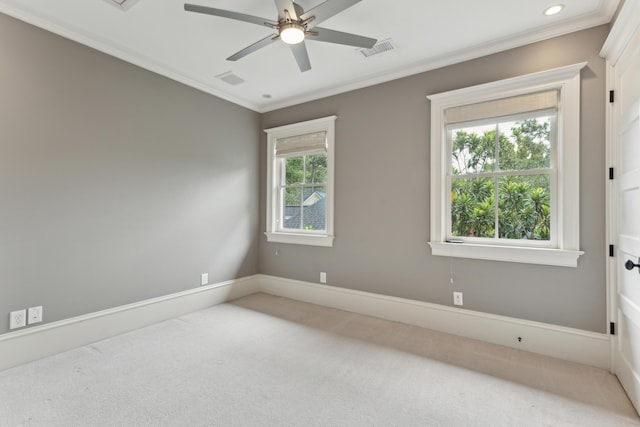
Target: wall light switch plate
column 204, row 279
column 34, row 315
column 17, row 319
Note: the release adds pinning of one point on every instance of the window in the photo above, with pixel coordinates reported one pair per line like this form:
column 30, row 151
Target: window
column 504, row 169
column 300, row 183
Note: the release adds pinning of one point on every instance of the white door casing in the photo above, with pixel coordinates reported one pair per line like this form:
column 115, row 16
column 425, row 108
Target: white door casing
column 622, row 51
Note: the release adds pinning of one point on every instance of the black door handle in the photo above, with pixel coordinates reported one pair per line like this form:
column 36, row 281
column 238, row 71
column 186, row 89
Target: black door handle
column 630, row 265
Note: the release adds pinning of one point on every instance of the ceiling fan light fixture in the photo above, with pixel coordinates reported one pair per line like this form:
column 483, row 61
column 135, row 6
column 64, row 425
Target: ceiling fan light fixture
column 292, row 33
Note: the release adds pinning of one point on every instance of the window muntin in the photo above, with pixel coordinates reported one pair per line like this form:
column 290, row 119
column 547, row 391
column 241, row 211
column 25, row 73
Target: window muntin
column 300, row 183
column 500, row 179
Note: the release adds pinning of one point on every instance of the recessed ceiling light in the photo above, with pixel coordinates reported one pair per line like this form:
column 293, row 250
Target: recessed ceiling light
column 553, row 10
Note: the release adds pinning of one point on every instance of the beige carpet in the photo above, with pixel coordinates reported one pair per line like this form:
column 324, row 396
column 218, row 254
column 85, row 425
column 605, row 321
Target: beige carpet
column 268, row 361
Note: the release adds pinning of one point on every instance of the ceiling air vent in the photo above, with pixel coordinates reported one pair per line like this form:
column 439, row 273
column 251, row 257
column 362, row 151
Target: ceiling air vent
column 122, row 4
column 380, row 47
column 230, row 78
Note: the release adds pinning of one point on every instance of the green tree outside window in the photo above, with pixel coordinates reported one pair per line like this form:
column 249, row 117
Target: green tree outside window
column 501, row 180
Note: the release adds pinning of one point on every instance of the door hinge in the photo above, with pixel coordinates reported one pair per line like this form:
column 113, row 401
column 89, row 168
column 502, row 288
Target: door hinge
column 610, row 173
column 611, row 250
column 612, row 328
column 611, row 96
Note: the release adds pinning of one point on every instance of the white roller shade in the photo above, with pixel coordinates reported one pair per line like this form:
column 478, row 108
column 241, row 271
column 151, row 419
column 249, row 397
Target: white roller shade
column 502, row 107
column 311, row 143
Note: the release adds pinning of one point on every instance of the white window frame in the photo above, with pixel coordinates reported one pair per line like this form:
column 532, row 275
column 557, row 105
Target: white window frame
column 565, row 251
column 275, row 233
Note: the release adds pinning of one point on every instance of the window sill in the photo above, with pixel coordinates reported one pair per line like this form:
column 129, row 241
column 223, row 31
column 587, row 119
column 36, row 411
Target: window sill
column 300, row 239
column 544, row 256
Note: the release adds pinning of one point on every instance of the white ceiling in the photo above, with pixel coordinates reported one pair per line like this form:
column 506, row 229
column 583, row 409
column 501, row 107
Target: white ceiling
column 191, row 48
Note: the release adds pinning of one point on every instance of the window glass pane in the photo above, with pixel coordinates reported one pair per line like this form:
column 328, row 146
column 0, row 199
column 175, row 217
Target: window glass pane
column 311, row 169
column 316, row 169
column 292, row 212
column 294, row 170
column 473, row 207
column 523, row 207
column 473, row 149
column 314, row 208
column 525, row 144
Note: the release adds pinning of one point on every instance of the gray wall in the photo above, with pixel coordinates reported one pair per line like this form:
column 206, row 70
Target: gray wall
column 382, row 196
column 116, row 184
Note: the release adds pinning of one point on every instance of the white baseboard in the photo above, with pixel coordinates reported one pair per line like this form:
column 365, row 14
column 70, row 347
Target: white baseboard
column 37, row 342
column 575, row 345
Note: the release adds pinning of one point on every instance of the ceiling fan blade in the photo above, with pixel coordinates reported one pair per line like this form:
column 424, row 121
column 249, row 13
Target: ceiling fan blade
column 250, row 49
column 332, row 36
column 287, row 5
column 229, row 14
column 302, row 56
column 326, row 10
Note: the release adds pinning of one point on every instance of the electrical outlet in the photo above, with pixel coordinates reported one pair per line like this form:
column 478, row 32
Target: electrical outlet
column 17, row 319
column 204, row 279
column 34, row 315
column 323, row 277
column 457, row 298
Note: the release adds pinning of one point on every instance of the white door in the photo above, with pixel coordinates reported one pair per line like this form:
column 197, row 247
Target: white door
column 625, row 122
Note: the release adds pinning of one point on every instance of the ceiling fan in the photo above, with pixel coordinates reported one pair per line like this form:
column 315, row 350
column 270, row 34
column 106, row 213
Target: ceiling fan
column 293, row 26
